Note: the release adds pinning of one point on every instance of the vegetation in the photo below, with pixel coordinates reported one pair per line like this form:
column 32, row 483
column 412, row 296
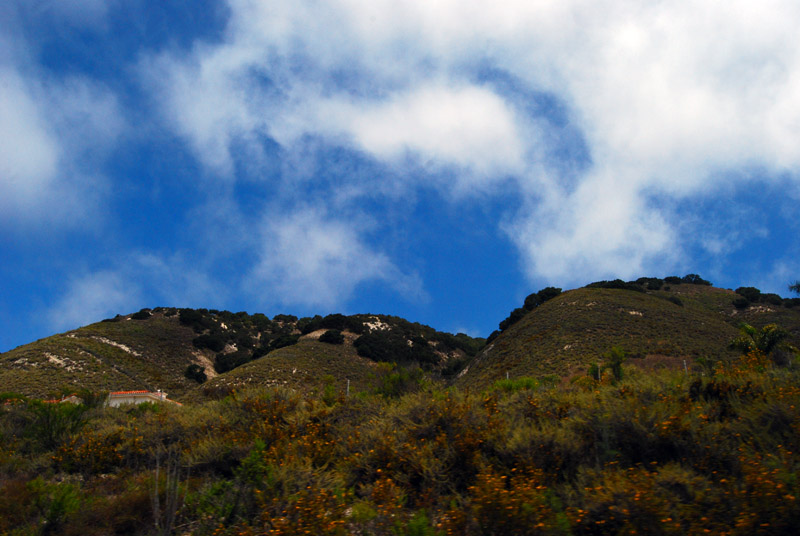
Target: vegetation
column 653, row 407
column 656, row 453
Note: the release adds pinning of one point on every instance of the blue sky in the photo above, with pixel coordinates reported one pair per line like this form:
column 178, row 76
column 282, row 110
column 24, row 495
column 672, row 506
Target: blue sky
column 433, row 160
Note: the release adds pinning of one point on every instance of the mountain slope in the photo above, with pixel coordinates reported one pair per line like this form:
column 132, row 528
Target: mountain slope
column 567, row 333
column 152, row 350
column 121, row 355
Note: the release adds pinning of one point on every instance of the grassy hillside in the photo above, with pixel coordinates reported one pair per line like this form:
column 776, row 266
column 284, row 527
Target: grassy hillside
column 309, row 364
column 152, row 350
column 121, row 355
column 567, row 333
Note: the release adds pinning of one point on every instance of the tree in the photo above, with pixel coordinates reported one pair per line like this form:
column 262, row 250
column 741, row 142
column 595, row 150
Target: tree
column 795, row 287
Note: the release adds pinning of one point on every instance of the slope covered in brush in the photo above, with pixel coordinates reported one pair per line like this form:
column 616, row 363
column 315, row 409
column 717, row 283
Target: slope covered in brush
column 569, row 332
column 175, row 349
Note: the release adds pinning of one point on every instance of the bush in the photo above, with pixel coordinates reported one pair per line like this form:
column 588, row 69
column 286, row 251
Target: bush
column 52, row 423
column 694, row 279
column 196, row 373
column 752, row 294
column 650, row 283
column 741, row 302
column 282, row 341
column 332, row 336
column 213, row 342
column 515, row 316
column 618, row 284
column 393, row 347
column 536, row 299
column 144, row 314
column 226, row 362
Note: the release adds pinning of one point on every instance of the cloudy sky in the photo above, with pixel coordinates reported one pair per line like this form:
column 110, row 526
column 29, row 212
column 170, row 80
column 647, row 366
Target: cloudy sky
column 432, row 159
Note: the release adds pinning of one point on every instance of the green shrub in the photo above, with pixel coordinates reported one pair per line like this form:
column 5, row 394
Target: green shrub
column 515, row 316
column 51, row 424
column 144, row 314
column 196, row 373
column 226, row 362
column 694, row 279
column 213, row 341
column 752, row 294
column 741, row 302
column 332, row 336
column 282, row 341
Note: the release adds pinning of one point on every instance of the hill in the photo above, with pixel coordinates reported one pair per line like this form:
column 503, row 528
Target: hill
column 125, row 354
column 656, row 327
column 177, row 349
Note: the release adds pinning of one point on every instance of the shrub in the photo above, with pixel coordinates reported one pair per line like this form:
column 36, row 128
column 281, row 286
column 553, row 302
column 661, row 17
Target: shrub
column 332, row 336
column 144, row 314
column 282, row 341
column 741, row 302
column 694, row 279
column 214, row 342
column 226, row 362
column 650, row 283
column 618, row 284
column 196, row 373
column 536, row 299
column 52, row 423
column 515, row 316
column 673, row 280
column 461, row 341
column 751, row 293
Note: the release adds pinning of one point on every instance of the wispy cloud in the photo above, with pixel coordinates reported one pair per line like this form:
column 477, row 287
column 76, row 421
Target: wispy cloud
column 308, row 257
column 91, row 298
column 667, row 96
column 55, row 133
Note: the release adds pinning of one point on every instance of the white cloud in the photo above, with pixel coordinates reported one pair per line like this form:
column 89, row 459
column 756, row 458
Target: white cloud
column 135, row 281
column 28, row 151
column 668, row 96
column 91, row 298
column 53, row 135
column 55, row 130
column 309, row 258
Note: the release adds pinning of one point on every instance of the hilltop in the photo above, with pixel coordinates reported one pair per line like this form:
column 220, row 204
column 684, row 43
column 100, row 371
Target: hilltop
column 195, row 353
column 657, row 322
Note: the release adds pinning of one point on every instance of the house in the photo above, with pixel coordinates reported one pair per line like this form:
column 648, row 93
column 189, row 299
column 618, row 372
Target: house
column 118, row 398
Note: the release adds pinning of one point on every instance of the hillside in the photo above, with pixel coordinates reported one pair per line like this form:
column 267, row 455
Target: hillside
column 122, row 355
column 555, row 333
column 428, row 441
column 153, row 349
column 664, row 327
